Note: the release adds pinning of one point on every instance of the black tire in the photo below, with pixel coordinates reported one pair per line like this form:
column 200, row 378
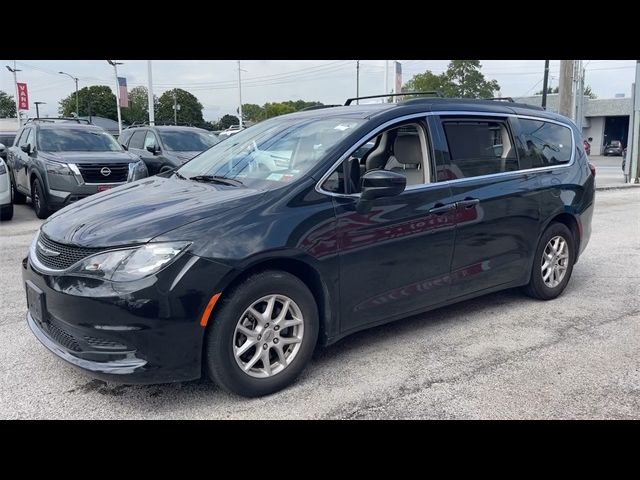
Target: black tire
column 17, row 198
column 6, row 212
column 219, row 358
column 536, row 287
column 39, row 200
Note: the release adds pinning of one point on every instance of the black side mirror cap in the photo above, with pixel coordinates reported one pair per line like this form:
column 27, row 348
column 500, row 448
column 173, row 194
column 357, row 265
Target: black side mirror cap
column 26, row 148
column 382, row 183
column 153, row 149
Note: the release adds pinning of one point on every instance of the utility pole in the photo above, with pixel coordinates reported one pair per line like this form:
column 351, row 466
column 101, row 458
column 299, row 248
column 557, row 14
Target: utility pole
column 115, row 69
column 176, row 107
column 152, row 113
column 76, row 81
column 580, row 97
column 15, row 71
column 566, row 91
column 545, row 84
column 239, row 95
column 357, row 81
column 634, row 153
column 386, row 79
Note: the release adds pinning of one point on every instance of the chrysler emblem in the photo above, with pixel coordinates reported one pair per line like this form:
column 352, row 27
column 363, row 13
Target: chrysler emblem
column 105, row 171
column 47, row 252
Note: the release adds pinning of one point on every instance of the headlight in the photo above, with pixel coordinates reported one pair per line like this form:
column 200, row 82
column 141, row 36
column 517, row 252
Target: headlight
column 137, row 170
column 57, row 168
column 131, row 263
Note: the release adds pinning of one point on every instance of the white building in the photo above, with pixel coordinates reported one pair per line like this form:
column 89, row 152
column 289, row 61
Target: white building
column 605, row 119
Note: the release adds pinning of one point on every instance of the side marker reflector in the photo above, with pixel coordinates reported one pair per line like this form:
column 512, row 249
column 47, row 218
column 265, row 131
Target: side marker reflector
column 207, row 311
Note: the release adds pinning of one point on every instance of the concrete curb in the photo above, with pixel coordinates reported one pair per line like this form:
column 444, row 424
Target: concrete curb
column 619, row 187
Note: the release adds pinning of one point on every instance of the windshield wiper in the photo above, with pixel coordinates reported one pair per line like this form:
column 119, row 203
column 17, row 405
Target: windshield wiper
column 179, row 175
column 217, row 179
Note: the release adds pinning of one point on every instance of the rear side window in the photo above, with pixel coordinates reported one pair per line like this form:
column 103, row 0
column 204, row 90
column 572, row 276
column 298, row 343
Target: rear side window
column 137, row 139
column 545, row 143
column 479, row 147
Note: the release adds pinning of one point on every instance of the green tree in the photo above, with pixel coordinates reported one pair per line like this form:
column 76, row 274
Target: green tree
column 138, row 109
column 190, row 108
column 463, row 78
column 7, row 105
column 226, row 121
column 252, row 112
column 274, row 109
column 97, row 100
column 549, row 90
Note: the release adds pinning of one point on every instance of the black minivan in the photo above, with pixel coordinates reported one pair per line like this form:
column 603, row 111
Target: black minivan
column 305, row 228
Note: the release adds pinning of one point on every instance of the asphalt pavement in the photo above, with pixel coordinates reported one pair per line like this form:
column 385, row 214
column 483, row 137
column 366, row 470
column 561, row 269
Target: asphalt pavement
column 499, row 356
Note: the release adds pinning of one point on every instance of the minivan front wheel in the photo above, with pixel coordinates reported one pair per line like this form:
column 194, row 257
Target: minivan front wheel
column 39, row 200
column 262, row 335
column 553, row 263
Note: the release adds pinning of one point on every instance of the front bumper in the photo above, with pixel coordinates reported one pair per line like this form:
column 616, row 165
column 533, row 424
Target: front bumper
column 147, row 331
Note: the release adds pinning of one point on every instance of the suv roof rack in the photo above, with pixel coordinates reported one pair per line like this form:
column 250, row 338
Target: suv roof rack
column 317, row 107
column 501, row 99
column 59, row 120
column 432, row 93
column 159, row 124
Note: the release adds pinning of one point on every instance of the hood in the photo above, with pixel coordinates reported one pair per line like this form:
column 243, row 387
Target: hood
column 90, row 157
column 182, row 157
column 139, row 211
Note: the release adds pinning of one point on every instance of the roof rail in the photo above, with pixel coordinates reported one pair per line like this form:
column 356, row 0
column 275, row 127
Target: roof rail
column 432, row 93
column 498, row 99
column 58, row 119
column 160, row 124
column 317, row 107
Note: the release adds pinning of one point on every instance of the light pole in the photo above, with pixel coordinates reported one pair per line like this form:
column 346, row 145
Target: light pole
column 357, row 81
column 37, row 104
column 77, row 101
column 152, row 113
column 240, row 94
column 176, row 107
column 115, row 69
column 14, row 70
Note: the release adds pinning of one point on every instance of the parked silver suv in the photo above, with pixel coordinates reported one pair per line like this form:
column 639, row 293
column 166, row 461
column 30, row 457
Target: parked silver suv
column 59, row 161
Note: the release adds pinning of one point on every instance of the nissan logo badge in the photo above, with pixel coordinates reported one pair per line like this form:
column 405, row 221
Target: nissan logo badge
column 105, row 171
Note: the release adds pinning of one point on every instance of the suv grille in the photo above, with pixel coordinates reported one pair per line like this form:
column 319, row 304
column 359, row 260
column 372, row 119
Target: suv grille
column 95, row 173
column 68, row 253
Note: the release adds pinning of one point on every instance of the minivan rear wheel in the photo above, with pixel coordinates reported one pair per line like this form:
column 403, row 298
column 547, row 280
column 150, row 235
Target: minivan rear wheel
column 553, row 263
column 262, row 334
column 39, row 200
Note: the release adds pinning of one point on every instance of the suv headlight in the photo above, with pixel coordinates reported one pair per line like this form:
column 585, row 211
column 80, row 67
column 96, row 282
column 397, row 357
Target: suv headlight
column 137, row 170
column 130, row 263
column 57, row 168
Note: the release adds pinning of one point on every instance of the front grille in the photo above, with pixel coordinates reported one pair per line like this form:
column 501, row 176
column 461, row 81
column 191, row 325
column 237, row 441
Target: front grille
column 68, row 253
column 92, row 173
column 102, row 343
column 63, row 338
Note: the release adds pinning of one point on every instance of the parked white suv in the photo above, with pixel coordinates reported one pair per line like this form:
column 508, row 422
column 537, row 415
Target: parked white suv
column 6, row 207
column 230, row 131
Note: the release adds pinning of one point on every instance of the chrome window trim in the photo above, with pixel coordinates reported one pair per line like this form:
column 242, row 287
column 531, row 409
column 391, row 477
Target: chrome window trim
column 423, row 186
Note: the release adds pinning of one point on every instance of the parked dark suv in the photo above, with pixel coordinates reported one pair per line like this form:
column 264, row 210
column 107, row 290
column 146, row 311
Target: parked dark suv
column 165, row 147
column 58, row 162
column 239, row 265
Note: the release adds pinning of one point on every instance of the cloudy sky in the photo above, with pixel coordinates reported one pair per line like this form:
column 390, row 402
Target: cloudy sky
column 214, row 82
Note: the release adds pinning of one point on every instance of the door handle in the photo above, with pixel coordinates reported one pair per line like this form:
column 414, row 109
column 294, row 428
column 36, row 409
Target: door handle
column 440, row 208
column 468, row 202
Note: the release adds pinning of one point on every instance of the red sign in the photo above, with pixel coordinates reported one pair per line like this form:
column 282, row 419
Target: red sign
column 23, row 97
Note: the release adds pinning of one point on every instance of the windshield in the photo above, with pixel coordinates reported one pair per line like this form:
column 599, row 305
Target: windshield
column 272, row 152
column 76, row 140
column 187, row 140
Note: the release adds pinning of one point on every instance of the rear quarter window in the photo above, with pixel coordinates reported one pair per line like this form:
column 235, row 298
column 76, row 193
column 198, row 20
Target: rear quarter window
column 545, row 143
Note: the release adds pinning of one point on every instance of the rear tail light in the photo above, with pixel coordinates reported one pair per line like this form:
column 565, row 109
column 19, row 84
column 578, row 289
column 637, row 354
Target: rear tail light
column 592, row 167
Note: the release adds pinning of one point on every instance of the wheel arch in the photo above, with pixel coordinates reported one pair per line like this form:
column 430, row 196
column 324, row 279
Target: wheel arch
column 571, row 221
column 306, row 273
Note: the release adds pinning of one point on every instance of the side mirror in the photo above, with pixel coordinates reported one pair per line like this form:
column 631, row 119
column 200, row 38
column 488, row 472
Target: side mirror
column 3, row 150
column 153, row 149
column 124, row 147
column 377, row 184
column 26, row 148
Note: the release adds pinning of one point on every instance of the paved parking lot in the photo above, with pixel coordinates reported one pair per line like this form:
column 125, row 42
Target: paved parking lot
column 500, row 356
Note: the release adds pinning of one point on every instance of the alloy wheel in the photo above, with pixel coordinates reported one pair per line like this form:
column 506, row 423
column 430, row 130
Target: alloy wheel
column 555, row 261
column 268, row 336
